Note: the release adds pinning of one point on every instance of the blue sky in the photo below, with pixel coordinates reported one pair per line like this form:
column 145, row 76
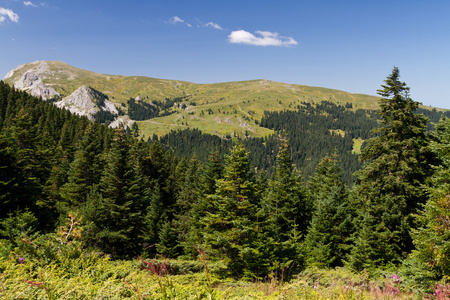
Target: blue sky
column 346, row 45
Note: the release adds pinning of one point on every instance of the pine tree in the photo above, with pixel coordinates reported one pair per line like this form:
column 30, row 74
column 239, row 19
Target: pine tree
column 161, row 167
column 327, row 239
column 189, row 222
column 230, row 227
column 84, row 172
column 29, row 159
column 120, row 222
column 168, row 245
column 154, row 218
column 285, row 205
column 286, row 213
column 188, row 195
column 397, row 162
column 212, row 172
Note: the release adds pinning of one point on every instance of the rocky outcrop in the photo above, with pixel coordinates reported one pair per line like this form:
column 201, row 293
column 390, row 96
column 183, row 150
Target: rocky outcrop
column 32, row 83
column 83, row 102
column 122, row 121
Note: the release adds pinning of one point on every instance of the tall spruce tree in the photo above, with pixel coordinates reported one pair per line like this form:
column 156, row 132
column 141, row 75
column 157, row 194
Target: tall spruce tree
column 389, row 189
column 203, row 187
column 119, row 223
column 212, row 172
column 29, row 159
column 327, row 241
column 188, row 195
column 230, row 227
column 161, row 167
column 286, row 213
column 84, row 172
column 285, row 204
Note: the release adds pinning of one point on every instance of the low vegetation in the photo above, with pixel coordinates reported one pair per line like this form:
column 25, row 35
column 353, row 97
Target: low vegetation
column 57, row 267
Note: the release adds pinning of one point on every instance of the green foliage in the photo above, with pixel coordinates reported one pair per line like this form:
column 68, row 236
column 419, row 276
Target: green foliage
column 389, row 187
column 18, row 226
column 127, row 280
column 327, row 240
column 231, row 227
column 285, row 214
column 430, row 261
column 119, row 221
column 9, row 181
column 83, row 173
column 168, row 244
column 313, row 131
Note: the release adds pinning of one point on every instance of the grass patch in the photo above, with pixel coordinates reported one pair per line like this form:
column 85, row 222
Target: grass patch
column 357, row 143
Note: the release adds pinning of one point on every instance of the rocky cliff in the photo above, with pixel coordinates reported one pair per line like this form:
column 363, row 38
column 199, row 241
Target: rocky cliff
column 84, row 102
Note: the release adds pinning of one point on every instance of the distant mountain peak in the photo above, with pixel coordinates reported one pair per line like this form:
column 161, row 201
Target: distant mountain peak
column 31, row 81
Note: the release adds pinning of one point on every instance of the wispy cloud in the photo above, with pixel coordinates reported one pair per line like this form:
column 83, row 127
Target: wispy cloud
column 263, row 38
column 29, row 3
column 8, row 13
column 175, row 20
column 213, row 25
column 209, row 24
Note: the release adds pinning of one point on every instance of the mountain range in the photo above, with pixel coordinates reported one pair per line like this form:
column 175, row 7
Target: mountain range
column 160, row 105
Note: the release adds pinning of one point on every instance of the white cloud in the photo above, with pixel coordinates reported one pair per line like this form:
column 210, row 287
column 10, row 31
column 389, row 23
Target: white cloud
column 8, row 13
column 264, row 38
column 213, row 25
column 29, row 3
column 174, row 20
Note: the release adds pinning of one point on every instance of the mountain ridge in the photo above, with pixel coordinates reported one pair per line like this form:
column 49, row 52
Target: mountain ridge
column 227, row 108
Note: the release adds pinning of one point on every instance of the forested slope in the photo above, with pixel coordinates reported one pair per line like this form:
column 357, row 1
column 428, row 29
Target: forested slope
column 313, row 131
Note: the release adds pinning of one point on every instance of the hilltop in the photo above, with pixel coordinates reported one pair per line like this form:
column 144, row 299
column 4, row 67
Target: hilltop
column 216, row 108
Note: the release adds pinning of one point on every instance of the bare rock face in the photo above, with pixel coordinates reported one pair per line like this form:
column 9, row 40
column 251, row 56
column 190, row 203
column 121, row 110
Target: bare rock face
column 83, row 103
column 109, row 106
column 122, row 121
column 80, row 102
column 32, row 83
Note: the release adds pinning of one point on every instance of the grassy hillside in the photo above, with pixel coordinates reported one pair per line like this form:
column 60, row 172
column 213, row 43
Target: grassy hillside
column 219, row 108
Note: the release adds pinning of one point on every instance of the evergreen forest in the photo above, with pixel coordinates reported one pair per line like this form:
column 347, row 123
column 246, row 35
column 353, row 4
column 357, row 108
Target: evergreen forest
column 77, row 196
